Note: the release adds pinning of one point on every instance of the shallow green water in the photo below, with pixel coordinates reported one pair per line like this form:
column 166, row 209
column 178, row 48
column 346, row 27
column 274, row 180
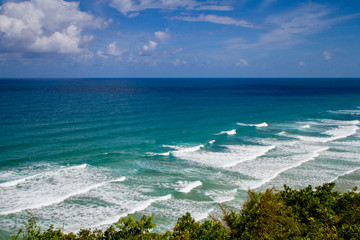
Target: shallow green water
column 84, row 152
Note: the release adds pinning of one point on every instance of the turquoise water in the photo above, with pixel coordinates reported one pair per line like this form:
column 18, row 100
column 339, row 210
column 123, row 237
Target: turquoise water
column 82, row 152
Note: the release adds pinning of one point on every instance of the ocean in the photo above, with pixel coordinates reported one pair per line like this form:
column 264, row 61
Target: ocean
column 80, row 153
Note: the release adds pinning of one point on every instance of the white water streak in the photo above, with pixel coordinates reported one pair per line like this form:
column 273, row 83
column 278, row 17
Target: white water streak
column 61, row 199
column 186, row 187
column 311, row 156
column 345, row 173
column 21, row 180
column 264, row 124
column 139, row 207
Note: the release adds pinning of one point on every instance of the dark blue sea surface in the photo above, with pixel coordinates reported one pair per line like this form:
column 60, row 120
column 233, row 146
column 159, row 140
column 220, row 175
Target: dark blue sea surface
column 85, row 152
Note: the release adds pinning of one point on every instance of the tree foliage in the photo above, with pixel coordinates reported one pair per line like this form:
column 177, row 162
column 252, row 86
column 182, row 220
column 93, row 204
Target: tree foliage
column 308, row 213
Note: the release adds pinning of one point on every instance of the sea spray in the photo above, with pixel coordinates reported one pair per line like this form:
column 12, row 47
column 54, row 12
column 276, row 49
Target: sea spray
column 259, row 125
column 233, row 155
column 140, row 206
column 21, row 180
column 230, row 133
column 186, row 187
column 52, row 201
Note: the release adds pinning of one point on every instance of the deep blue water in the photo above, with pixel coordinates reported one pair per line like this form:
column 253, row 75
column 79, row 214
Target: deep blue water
column 84, row 152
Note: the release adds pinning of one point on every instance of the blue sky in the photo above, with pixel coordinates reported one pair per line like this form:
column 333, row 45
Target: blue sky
column 179, row 38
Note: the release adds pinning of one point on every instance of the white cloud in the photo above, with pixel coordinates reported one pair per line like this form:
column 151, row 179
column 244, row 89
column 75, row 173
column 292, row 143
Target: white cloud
column 132, row 15
column 149, row 48
column 124, row 6
column 162, row 35
column 51, row 26
column 67, row 41
column 304, row 20
column 217, row 19
column 213, row 8
column 242, row 63
column 131, row 6
column 327, row 55
column 113, row 50
column 101, row 53
column 290, row 28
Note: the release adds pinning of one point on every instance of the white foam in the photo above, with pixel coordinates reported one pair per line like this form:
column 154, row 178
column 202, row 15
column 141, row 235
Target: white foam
column 336, row 122
column 248, row 152
column 190, row 149
column 51, row 187
column 334, row 134
column 21, row 180
column 301, row 159
column 147, row 203
column 118, row 179
column 264, row 124
column 98, row 205
column 62, row 198
column 164, row 154
column 82, row 166
column 306, row 126
column 221, row 196
column 139, row 207
column 342, row 131
column 346, row 112
column 351, row 147
column 177, row 149
column 158, row 154
column 18, row 181
column 186, row 187
column 171, row 146
column 201, row 216
column 343, row 155
column 183, row 148
column 211, row 142
column 355, row 143
column 230, row 133
column 172, row 209
column 345, row 173
column 233, row 155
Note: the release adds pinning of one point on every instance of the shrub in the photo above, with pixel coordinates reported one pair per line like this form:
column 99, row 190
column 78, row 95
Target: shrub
column 263, row 216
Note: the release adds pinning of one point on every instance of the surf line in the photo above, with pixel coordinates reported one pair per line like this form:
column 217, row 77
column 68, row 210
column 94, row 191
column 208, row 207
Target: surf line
column 140, row 207
column 312, row 156
column 345, row 173
column 189, row 186
column 230, row 132
column 21, row 180
column 63, row 198
column 178, row 149
column 264, row 124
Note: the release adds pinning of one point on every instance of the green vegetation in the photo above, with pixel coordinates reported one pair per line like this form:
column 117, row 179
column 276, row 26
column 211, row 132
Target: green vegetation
column 307, row 213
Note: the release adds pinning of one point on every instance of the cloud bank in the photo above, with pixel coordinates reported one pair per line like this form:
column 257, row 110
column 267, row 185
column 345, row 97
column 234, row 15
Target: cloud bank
column 218, row 20
column 45, row 26
column 127, row 7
